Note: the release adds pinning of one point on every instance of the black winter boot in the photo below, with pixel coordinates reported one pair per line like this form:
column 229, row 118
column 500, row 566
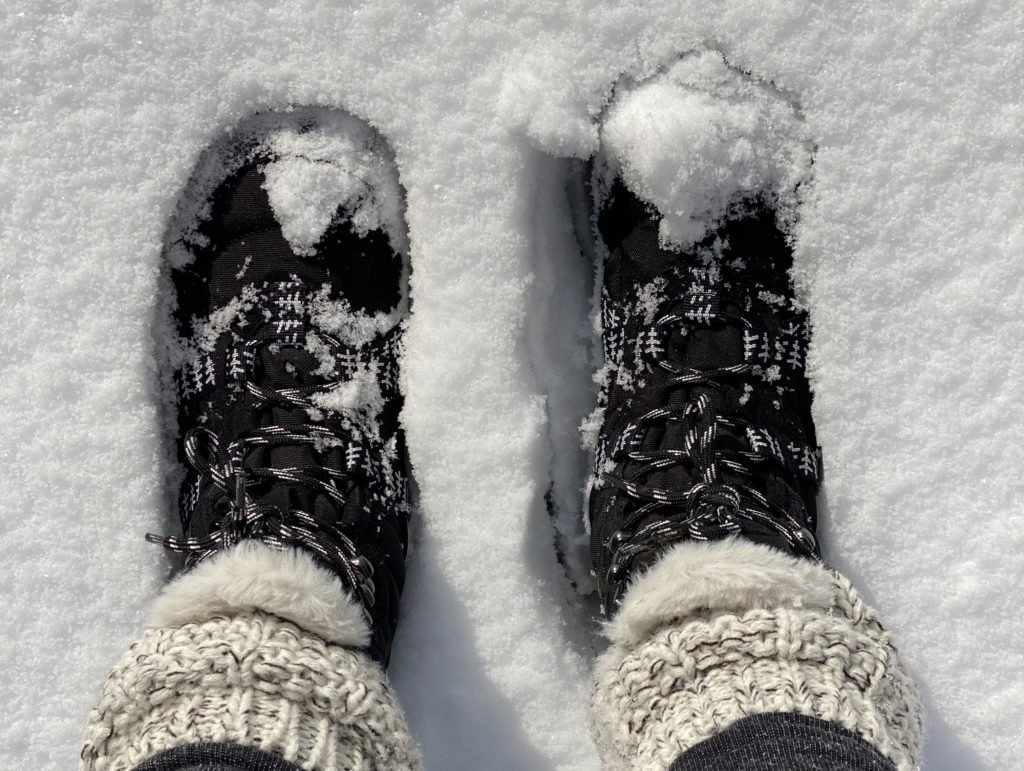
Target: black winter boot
column 706, row 429
column 702, row 505
column 288, row 397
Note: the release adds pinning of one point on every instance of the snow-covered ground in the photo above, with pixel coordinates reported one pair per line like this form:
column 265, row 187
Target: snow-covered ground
column 910, row 251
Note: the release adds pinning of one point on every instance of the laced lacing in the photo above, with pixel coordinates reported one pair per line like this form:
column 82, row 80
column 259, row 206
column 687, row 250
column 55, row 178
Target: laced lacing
column 245, row 517
column 710, row 508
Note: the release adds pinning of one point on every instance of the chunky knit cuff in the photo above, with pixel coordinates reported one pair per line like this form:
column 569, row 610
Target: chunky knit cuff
column 718, row 632
column 257, row 647
column 250, row 679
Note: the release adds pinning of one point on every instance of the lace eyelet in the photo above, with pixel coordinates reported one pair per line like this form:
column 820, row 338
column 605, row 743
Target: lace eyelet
column 615, row 540
column 806, row 537
column 614, row 579
column 369, row 591
column 617, row 572
column 366, row 587
column 363, row 565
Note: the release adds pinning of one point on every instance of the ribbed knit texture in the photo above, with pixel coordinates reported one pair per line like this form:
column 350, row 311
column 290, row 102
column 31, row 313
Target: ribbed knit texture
column 695, row 676
column 251, row 679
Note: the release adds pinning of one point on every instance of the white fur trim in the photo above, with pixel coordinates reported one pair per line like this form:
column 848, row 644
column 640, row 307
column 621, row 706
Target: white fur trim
column 730, row 575
column 253, row 576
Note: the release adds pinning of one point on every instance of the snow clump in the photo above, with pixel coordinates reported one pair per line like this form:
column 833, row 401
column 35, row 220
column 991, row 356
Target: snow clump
column 699, row 137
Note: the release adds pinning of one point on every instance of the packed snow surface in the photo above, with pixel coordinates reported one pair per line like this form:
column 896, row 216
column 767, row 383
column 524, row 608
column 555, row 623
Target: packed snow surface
column 892, row 132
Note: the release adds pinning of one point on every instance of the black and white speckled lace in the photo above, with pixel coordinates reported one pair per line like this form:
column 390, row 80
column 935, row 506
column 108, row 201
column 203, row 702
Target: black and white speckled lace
column 248, row 518
column 710, row 508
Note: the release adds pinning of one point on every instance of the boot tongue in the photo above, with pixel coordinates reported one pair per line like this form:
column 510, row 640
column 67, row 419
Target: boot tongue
column 643, row 251
column 638, row 260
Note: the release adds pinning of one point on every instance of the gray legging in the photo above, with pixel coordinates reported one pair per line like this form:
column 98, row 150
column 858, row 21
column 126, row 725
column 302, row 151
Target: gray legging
column 770, row 742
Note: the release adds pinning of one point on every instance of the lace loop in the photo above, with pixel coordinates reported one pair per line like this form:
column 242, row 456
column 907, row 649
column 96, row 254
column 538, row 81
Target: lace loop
column 710, row 508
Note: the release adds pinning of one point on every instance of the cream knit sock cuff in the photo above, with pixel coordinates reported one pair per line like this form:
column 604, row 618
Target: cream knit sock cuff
column 717, row 632
column 228, row 671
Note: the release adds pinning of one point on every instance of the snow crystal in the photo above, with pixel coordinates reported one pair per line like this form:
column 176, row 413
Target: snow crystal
column 650, row 297
column 327, row 363
column 323, row 443
column 245, row 267
column 590, row 429
column 590, row 426
column 358, row 396
column 778, row 300
column 208, row 330
column 352, row 327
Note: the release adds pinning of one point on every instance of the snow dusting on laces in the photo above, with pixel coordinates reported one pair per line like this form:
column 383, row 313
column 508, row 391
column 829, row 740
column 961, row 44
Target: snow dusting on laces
column 626, row 358
column 319, row 347
column 343, row 165
column 208, row 330
column 701, row 135
column 352, row 360
column 358, row 397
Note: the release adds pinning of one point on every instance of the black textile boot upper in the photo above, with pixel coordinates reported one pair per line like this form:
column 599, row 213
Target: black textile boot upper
column 707, row 428
column 288, row 402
